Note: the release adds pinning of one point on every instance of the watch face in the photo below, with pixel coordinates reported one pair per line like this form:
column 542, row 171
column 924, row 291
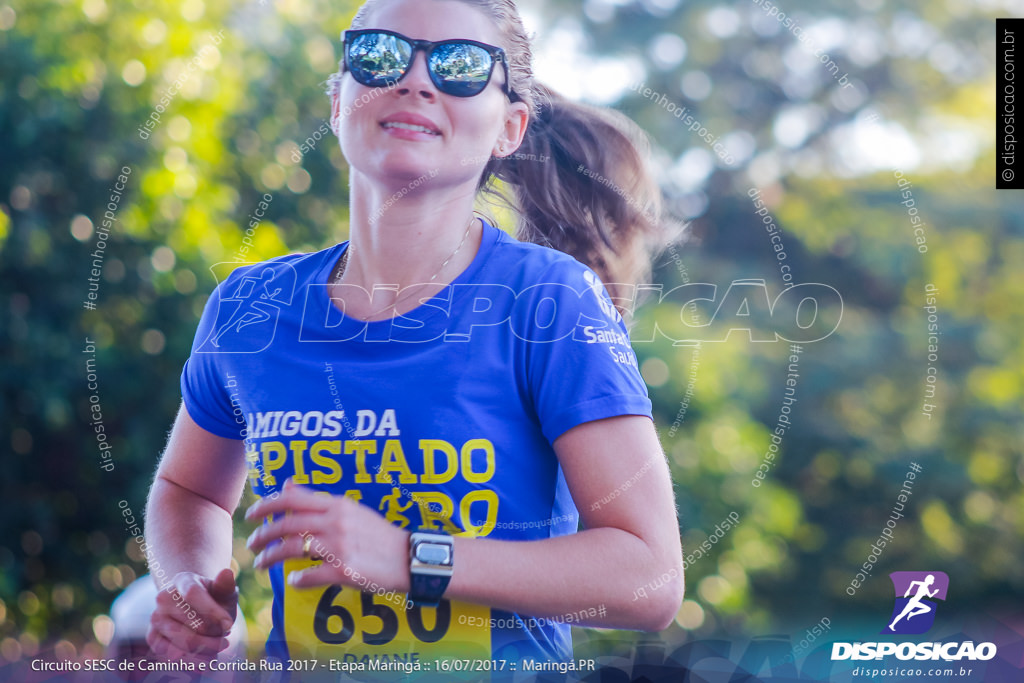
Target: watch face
column 433, row 553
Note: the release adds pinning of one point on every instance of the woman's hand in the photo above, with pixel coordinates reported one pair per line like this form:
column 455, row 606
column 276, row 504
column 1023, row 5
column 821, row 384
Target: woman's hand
column 358, row 546
column 193, row 616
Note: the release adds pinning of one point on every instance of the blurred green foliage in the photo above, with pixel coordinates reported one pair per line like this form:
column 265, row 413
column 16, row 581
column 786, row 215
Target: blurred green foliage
column 78, row 78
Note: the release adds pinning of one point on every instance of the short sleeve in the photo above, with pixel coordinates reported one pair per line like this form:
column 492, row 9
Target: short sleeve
column 203, row 387
column 580, row 363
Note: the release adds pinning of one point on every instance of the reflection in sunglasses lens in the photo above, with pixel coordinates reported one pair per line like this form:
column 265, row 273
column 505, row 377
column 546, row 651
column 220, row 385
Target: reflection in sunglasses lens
column 381, row 56
column 461, row 63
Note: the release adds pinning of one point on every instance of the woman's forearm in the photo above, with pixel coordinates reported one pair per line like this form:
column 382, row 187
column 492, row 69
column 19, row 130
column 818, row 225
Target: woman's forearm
column 186, row 532
column 627, row 564
column 597, row 570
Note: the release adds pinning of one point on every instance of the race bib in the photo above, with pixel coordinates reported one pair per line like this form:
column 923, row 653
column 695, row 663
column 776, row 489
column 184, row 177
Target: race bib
column 346, row 624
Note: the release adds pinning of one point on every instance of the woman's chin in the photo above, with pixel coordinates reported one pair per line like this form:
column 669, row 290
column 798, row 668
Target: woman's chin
column 405, row 175
column 394, row 165
column 405, row 179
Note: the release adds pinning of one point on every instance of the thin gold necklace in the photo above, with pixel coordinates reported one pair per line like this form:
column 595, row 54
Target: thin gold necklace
column 343, row 266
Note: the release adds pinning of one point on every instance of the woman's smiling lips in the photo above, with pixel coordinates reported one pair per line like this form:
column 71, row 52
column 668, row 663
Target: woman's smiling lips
column 409, row 126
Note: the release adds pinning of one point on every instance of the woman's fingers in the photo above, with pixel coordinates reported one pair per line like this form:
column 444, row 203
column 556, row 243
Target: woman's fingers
column 171, row 638
column 322, row 575
column 189, row 595
column 335, row 529
column 298, row 525
column 290, row 547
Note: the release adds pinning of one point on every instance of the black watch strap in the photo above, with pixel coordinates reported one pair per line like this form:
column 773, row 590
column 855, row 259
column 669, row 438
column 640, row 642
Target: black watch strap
column 426, row 591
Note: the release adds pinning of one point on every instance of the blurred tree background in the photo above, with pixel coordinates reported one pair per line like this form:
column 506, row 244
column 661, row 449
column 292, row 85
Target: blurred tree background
column 910, row 95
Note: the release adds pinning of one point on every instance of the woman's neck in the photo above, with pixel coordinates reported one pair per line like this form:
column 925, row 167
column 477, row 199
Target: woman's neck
column 402, row 237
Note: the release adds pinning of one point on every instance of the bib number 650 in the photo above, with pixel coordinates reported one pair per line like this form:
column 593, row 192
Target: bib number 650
column 341, row 630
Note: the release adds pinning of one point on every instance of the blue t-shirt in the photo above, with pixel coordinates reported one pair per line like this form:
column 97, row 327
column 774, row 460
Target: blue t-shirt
column 440, row 419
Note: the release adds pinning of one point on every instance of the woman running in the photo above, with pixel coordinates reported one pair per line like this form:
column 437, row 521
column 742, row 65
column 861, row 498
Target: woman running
column 431, row 410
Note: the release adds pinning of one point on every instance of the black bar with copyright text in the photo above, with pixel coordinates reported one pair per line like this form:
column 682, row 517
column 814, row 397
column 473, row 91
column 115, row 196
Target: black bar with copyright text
column 1009, row 34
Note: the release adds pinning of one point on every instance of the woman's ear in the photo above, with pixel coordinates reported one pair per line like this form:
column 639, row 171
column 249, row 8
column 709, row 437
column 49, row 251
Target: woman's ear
column 517, row 118
column 335, row 110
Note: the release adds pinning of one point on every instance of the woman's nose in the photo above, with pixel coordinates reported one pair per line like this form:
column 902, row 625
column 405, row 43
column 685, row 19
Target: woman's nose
column 417, row 79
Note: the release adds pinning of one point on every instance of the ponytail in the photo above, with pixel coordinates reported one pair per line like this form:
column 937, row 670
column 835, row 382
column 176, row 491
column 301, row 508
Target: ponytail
column 581, row 185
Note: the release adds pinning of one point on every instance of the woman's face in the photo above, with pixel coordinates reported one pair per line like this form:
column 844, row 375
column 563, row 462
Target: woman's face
column 464, row 131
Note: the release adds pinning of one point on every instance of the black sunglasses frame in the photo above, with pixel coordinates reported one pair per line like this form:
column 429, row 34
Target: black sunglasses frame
column 427, row 47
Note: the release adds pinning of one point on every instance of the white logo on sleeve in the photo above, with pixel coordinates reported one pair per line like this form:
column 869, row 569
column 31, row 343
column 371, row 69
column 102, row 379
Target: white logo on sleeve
column 603, row 300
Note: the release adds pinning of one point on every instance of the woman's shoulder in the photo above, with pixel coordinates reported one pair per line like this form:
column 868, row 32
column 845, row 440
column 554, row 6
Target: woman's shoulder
column 532, row 263
column 295, row 269
column 537, row 272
